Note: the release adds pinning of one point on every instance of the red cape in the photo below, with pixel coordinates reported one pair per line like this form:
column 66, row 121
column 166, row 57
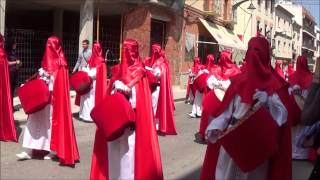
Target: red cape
column 280, row 163
column 7, row 126
column 63, row 139
column 99, row 164
column 147, row 152
column 165, row 108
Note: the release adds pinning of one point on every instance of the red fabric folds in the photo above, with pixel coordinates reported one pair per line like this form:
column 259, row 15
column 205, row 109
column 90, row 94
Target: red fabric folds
column 34, row 95
column 290, row 70
column 227, row 67
column 165, row 108
column 279, row 69
column 240, row 141
column 302, row 76
column 210, row 105
column 258, row 74
column 7, row 126
column 211, row 67
column 147, row 152
column 63, row 139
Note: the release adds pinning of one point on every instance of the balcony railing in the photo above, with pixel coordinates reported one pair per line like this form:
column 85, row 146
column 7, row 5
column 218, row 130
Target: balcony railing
column 309, row 45
column 309, row 29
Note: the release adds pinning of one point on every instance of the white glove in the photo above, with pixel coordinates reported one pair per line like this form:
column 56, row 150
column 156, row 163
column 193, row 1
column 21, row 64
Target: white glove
column 148, row 68
column 295, row 89
column 212, row 82
column 92, row 73
column 205, row 71
column 120, row 86
column 85, row 69
column 157, row 72
column 262, row 98
column 41, row 72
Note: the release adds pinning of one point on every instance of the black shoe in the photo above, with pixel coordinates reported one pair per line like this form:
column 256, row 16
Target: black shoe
column 199, row 139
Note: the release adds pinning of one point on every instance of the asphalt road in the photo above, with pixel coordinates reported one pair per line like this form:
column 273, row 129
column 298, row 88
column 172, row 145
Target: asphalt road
column 181, row 156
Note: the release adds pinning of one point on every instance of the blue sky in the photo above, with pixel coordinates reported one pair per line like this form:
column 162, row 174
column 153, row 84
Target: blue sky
column 313, row 6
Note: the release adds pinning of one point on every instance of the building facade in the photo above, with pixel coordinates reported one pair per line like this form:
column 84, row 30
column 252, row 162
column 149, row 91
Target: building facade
column 176, row 25
column 317, row 42
column 283, row 34
column 248, row 22
column 307, row 34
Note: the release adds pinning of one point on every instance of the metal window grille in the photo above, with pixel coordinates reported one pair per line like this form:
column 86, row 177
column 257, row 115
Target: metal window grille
column 30, row 49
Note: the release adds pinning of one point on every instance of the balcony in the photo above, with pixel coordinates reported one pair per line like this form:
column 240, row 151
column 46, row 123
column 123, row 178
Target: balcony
column 309, row 45
column 309, row 29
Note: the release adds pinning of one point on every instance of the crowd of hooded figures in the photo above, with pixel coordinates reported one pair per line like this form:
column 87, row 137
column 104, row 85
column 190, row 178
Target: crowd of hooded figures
column 254, row 118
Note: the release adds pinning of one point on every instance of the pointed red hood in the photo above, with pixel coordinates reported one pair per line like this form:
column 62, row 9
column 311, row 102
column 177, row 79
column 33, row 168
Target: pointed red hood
column 131, row 67
column 53, row 56
column 258, row 73
column 97, row 56
column 228, row 68
column 302, row 76
column 211, row 67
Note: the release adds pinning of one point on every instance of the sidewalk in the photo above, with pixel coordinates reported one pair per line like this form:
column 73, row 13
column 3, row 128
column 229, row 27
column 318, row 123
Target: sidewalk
column 178, row 94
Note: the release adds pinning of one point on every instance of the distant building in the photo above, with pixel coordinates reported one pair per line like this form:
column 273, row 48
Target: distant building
column 307, row 33
column 184, row 28
column 317, row 41
column 283, row 40
column 248, row 22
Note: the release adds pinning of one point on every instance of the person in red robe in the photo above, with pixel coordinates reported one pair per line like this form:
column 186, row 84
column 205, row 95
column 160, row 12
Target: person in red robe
column 191, row 91
column 7, row 126
column 199, row 83
column 51, row 129
column 279, row 69
column 290, row 71
column 263, row 155
column 300, row 82
column 96, row 70
column 161, row 88
column 139, row 155
column 217, row 84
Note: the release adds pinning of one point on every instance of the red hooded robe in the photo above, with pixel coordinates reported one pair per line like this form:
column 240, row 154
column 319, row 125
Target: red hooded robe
column 165, row 107
column 197, row 66
column 245, row 84
column 7, row 126
column 63, row 139
column 279, row 69
column 211, row 102
column 147, row 151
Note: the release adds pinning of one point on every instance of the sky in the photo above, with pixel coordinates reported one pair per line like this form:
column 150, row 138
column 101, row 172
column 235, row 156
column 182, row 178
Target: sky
column 313, row 6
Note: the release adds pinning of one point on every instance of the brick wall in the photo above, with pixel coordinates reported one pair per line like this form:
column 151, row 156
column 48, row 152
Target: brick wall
column 137, row 25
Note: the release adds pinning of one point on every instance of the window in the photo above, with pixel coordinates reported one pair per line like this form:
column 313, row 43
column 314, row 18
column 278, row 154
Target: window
column 279, row 21
column 265, row 29
column 289, row 46
column 259, row 2
column 284, row 47
column 258, row 26
column 235, row 15
column 272, row 6
column 266, row 5
column 217, row 7
column 278, row 47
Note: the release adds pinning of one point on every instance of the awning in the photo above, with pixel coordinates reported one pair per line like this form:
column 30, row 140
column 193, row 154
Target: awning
column 223, row 36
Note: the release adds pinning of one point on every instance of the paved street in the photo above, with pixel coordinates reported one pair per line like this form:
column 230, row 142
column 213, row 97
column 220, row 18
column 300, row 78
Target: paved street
column 181, row 157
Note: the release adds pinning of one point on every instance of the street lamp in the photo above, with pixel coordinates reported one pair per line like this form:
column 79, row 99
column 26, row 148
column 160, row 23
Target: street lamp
column 251, row 7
